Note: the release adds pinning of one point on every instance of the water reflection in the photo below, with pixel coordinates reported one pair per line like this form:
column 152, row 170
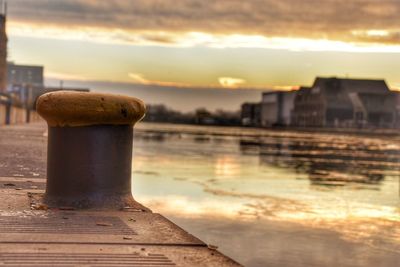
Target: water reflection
column 327, row 161
column 226, row 167
column 151, row 136
column 236, row 187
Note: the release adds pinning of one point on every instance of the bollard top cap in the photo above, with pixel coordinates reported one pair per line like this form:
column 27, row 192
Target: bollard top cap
column 74, row 109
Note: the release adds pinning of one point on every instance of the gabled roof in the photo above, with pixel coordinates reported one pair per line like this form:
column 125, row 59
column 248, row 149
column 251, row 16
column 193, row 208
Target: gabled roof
column 337, row 90
column 352, row 85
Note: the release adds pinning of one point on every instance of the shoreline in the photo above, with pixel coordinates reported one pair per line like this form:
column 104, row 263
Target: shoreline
column 241, row 131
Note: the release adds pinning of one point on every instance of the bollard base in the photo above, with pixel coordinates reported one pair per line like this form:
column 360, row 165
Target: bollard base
column 100, row 202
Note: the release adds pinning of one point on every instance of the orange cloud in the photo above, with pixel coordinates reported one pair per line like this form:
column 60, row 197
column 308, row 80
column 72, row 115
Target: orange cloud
column 139, row 78
column 230, row 82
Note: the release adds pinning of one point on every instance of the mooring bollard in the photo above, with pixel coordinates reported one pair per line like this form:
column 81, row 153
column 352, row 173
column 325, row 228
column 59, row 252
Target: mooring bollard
column 90, row 141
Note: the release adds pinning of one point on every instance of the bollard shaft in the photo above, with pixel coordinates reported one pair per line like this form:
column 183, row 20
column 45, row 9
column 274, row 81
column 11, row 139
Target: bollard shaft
column 89, row 166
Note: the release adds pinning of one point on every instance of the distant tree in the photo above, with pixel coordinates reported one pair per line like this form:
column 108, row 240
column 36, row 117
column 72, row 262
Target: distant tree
column 203, row 116
column 161, row 113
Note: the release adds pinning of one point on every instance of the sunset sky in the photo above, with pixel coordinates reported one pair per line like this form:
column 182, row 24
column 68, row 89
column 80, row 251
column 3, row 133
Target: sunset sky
column 198, row 45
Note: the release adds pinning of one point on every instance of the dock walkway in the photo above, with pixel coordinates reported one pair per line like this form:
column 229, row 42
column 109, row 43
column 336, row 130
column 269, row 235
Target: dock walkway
column 32, row 234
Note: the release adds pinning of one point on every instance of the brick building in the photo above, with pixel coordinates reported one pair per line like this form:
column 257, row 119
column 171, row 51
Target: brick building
column 335, row 102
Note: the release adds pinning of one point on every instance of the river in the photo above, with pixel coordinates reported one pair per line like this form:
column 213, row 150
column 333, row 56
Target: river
column 275, row 198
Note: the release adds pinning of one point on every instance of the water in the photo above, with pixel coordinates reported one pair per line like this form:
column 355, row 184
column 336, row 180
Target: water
column 275, row 198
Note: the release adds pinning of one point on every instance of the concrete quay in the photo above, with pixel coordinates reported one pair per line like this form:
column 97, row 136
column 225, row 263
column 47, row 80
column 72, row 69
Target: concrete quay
column 34, row 234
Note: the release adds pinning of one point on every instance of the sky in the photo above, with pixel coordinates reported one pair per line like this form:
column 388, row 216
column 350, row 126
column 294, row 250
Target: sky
column 215, row 54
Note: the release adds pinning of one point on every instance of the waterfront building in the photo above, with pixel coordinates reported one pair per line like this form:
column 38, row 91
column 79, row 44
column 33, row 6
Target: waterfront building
column 277, row 108
column 336, row 102
column 25, row 82
column 251, row 114
column 3, row 48
column 308, row 108
column 24, row 75
column 397, row 101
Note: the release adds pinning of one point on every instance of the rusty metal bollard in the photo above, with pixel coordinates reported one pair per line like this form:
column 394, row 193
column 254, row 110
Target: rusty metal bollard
column 90, row 141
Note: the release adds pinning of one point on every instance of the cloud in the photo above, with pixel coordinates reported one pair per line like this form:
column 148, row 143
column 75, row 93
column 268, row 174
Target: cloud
column 140, row 79
column 285, row 87
column 378, row 36
column 137, row 77
column 230, row 82
column 224, row 82
column 164, row 21
column 382, row 44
